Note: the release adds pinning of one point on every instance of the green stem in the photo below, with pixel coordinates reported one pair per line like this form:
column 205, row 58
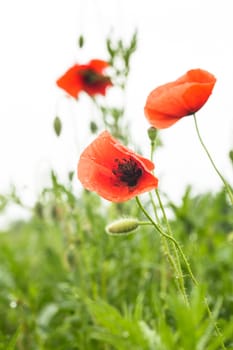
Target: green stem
column 173, row 263
column 159, row 229
column 152, row 149
column 180, row 272
column 227, row 187
column 176, row 264
column 177, row 247
column 144, row 223
column 154, row 206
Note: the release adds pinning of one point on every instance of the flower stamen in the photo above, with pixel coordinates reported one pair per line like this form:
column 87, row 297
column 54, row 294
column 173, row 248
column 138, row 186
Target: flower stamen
column 90, row 77
column 128, row 171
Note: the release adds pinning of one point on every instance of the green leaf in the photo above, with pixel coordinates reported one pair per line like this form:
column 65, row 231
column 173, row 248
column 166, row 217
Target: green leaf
column 12, row 343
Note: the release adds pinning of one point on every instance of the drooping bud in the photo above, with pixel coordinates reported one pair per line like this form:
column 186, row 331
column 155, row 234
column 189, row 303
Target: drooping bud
column 152, row 133
column 57, row 125
column 122, row 226
column 93, row 127
column 70, row 175
column 231, row 155
column 81, row 41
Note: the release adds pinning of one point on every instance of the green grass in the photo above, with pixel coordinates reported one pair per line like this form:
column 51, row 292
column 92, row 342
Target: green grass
column 67, row 285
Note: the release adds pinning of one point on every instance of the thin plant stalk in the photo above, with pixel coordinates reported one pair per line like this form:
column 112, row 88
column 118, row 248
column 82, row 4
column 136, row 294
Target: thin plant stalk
column 176, row 262
column 227, row 187
column 187, row 265
column 171, row 238
column 180, row 272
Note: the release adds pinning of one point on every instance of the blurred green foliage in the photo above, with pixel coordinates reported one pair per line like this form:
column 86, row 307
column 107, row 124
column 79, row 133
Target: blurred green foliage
column 66, row 284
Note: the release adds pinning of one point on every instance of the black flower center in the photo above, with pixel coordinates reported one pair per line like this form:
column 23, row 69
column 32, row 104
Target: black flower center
column 127, row 171
column 90, row 77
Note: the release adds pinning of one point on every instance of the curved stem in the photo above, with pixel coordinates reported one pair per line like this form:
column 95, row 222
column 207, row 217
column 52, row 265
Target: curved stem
column 228, row 189
column 152, row 149
column 180, row 272
column 159, row 229
column 154, row 206
column 176, row 263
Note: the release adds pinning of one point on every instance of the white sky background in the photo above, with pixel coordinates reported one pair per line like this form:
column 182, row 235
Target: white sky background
column 39, row 42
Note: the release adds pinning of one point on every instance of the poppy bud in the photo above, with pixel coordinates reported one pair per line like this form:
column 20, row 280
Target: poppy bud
column 57, row 126
column 81, row 41
column 231, row 155
column 93, row 127
column 122, row 226
column 152, row 133
column 70, row 175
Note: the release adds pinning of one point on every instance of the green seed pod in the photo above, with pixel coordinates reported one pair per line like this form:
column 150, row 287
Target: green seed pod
column 152, row 133
column 57, row 125
column 122, row 226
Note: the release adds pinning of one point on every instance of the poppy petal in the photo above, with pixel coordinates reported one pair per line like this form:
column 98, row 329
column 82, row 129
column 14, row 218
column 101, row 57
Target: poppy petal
column 86, row 77
column 170, row 102
column 113, row 171
column 98, row 65
column 190, row 97
column 71, row 82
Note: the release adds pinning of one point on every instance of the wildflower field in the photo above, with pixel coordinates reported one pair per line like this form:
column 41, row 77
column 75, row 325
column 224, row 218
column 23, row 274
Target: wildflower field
column 117, row 264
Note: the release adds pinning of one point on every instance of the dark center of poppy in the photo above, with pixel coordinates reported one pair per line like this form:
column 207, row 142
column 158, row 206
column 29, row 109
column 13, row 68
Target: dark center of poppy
column 127, row 171
column 90, row 77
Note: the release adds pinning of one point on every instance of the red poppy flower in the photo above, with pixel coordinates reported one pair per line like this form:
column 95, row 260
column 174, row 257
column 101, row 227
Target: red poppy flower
column 87, row 77
column 113, row 171
column 170, row 102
